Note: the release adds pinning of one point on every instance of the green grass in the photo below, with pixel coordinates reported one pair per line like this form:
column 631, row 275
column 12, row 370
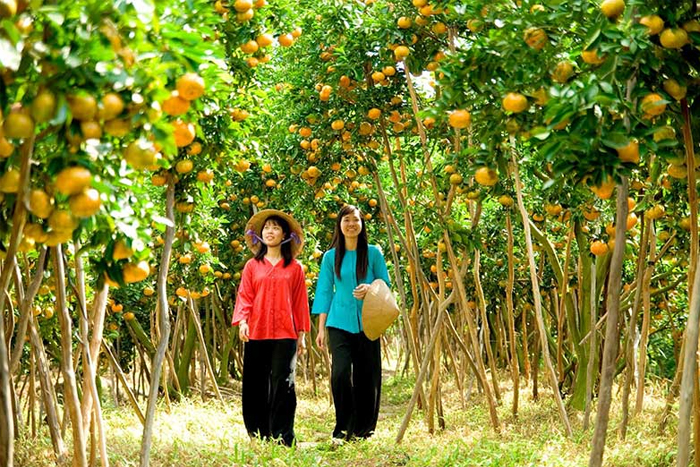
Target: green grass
column 196, row 433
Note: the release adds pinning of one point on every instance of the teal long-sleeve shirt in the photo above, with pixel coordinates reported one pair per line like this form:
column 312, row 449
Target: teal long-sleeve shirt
column 334, row 294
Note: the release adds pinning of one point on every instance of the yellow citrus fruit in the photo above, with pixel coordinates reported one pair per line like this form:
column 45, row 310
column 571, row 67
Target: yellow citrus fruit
column 111, row 105
column 183, row 132
column 82, row 107
column 85, row 204
column 129, row 316
column 18, row 125
column 121, row 251
column 655, row 212
column 175, row 105
column 605, row 189
column 148, row 291
column 591, row 57
column 674, row 89
column 190, row 86
column 653, row 104
column 654, row 24
column 140, row 154
column 677, row 171
column 6, row 148
column 117, row 127
column 62, row 221
column 285, row 40
column 612, row 8
column 242, row 6
column 486, row 176
column 90, row 129
column 460, row 118
column 43, row 106
column 599, row 248
column 515, row 102
column 401, row 52
column 184, row 166
column 40, row 203
column 73, row 180
column 136, row 272
column 535, row 38
column 630, row 152
column 563, row 71
column 9, row 182
column 673, row 38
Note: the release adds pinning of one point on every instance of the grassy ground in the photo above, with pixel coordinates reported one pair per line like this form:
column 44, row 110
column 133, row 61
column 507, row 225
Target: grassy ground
column 196, row 433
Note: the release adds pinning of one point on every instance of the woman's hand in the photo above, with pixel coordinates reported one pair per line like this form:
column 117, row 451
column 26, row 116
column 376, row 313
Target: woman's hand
column 301, row 343
column 321, row 338
column 360, row 291
column 243, row 331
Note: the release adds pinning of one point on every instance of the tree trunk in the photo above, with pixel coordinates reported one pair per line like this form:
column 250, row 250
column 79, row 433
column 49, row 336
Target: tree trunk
column 19, row 217
column 630, row 366
column 514, row 366
column 163, row 325
column 611, row 331
column 538, row 304
column 70, row 388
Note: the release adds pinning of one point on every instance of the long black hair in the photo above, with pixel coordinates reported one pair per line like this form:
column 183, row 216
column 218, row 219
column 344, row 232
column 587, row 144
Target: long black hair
column 338, row 243
column 286, row 248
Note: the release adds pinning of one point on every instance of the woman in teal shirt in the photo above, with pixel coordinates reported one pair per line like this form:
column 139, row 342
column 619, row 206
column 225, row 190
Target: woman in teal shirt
column 347, row 269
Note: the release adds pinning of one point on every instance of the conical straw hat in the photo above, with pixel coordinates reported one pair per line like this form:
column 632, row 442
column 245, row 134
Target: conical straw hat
column 256, row 223
column 379, row 309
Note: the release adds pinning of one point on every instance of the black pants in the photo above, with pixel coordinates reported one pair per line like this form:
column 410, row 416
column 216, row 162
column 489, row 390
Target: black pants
column 356, row 382
column 269, row 397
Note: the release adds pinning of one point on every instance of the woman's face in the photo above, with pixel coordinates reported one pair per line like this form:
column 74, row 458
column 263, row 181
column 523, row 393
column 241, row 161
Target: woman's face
column 351, row 224
column 272, row 233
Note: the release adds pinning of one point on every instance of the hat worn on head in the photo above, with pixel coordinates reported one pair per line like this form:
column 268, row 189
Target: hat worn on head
column 254, row 226
column 379, row 309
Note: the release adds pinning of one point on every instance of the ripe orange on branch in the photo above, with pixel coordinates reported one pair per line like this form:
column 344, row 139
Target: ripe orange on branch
column 136, row 272
column 486, row 176
column 515, row 102
column 612, row 8
column 630, row 152
column 653, row 105
column 536, row 38
column 673, row 38
column 460, row 118
column 654, row 24
column 73, row 180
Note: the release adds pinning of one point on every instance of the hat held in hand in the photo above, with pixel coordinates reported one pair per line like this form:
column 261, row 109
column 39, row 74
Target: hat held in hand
column 379, row 309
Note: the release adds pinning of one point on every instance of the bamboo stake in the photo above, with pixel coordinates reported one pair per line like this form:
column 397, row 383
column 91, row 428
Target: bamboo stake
column 423, row 369
column 536, row 293
column 48, row 393
column 510, row 285
column 19, row 217
column 646, row 320
column 90, row 397
column 593, row 346
column 632, row 330
column 485, row 325
column 163, row 325
column 611, row 330
column 203, row 349
column 26, row 299
column 69, row 383
column 119, row 374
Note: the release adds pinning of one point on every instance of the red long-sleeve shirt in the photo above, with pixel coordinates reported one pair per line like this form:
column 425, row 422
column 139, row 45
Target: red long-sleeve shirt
column 273, row 300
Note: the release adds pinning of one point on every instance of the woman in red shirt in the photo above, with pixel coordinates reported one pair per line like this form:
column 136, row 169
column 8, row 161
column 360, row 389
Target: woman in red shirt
column 272, row 312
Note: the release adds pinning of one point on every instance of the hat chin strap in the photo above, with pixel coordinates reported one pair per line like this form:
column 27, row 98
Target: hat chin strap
column 256, row 238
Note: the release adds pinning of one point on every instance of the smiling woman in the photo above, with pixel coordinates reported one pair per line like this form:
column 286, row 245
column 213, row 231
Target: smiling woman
column 272, row 312
column 347, row 269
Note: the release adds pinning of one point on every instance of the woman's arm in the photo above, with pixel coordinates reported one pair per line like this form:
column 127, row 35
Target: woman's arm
column 321, row 336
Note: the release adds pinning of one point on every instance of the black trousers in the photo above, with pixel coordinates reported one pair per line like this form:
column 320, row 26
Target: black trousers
column 356, row 383
column 269, row 396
